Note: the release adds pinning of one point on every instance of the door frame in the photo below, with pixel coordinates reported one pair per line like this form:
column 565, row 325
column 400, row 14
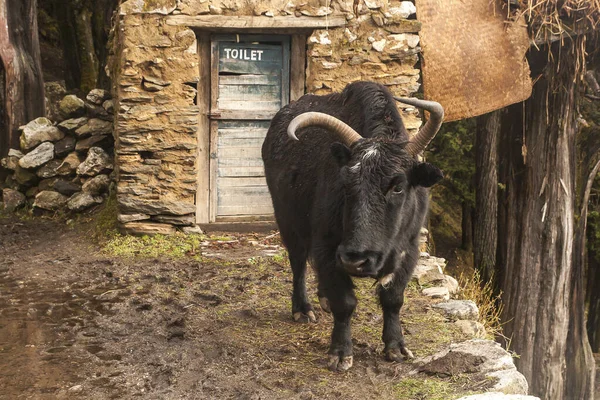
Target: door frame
column 206, row 170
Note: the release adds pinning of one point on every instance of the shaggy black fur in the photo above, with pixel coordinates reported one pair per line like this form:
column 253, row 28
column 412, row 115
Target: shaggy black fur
column 352, row 211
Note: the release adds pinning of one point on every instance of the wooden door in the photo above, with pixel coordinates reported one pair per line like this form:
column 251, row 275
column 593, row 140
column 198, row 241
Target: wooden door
column 249, row 84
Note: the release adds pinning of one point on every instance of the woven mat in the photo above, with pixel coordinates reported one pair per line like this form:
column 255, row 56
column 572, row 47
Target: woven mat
column 473, row 60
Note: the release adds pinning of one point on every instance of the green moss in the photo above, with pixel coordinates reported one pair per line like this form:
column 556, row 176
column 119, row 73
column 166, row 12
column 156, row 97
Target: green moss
column 427, row 388
column 176, row 246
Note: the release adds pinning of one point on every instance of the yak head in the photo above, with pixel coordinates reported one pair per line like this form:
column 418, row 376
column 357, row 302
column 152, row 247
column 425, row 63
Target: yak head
column 383, row 184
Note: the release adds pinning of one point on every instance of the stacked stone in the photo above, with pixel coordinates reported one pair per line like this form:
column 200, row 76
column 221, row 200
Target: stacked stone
column 64, row 165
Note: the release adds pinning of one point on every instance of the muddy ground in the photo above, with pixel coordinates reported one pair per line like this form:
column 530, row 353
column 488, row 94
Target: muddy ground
column 78, row 321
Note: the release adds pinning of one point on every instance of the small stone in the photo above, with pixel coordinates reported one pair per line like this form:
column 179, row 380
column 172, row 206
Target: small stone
column 437, row 293
column 12, row 199
column 11, row 161
column 67, row 188
column 94, row 127
column 192, row 230
column 92, row 141
column 431, row 277
column 164, row 7
column 405, row 10
column 97, row 96
column 69, row 125
column 32, row 192
column 81, row 201
column 97, row 185
column 49, row 200
column 64, row 146
column 47, row 184
column 72, row 106
column 109, row 106
column 49, row 169
column 96, row 161
column 95, row 111
column 38, row 131
column 24, row 177
column 471, row 328
column 147, row 228
column 451, row 284
column 69, row 164
column 458, row 309
column 124, row 218
column 39, row 156
column 379, row 45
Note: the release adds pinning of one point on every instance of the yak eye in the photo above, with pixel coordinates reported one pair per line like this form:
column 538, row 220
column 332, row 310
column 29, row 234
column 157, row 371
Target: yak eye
column 398, row 189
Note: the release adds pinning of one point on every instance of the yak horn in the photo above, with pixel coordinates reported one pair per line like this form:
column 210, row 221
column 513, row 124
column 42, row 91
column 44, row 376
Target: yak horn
column 426, row 134
column 344, row 132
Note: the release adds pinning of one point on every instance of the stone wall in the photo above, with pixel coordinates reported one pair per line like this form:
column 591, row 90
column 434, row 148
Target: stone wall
column 155, row 69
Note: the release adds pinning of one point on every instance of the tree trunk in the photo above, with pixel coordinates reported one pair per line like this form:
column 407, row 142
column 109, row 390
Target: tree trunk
column 23, row 98
column 538, row 239
column 84, row 27
column 593, row 321
column 467, row 226
column 486, row 194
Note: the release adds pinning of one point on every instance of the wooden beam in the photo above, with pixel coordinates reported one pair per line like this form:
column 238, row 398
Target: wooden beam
column 297, row 67
column 203, row 177
column 251, row 22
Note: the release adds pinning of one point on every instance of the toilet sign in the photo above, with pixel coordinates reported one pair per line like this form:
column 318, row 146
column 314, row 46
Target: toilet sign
column 244, row 54
column 250, row 58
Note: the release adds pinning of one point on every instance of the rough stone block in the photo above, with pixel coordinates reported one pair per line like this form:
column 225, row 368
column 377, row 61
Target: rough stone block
column 38, row 157
column 147, row 228
column 12, row 199
column 458, row 309
column 38, row 131
column 49, row 200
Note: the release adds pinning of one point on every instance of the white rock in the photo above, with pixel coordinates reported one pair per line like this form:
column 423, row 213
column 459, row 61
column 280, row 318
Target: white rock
column 471, row 328
column 498, row 396
column 38, row 131
column 379, row 45
column 350, row 36
column 39, row 156
column 96, row 161
column 458, row 309
column 437, row 293
column 451, row 284
column 510, row 381
column 405, row 10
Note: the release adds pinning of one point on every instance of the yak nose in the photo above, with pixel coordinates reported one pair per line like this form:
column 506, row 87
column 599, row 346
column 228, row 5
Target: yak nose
column 355, row 262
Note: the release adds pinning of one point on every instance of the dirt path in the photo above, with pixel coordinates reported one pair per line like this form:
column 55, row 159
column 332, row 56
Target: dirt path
column 76, row 322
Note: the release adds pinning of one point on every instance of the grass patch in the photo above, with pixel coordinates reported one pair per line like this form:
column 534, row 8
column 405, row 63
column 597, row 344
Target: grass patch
column 176, row 246
column 490, row 304
column 105, row 221
column 425, row 389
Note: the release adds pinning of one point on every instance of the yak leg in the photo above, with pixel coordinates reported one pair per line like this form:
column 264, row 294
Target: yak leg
column 391, row 297
column 337, row 287
column 301, row 308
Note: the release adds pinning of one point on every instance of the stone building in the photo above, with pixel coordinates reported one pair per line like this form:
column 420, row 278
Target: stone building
column 197, row 81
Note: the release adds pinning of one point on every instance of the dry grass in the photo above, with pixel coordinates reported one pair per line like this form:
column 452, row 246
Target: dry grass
column 490, row 305
column 549, row 19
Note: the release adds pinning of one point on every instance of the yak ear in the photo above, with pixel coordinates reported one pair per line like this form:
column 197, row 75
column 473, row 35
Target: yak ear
column 425, row 174
column 341, row 153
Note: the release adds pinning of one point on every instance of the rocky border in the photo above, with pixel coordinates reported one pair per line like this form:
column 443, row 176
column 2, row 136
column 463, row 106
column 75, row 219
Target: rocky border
column 482, row 358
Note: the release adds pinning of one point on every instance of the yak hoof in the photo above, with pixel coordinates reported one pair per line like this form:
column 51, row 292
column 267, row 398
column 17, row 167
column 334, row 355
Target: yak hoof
column 324, row 304
column 340, row 364
column 305, row 317
column 399, row 355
